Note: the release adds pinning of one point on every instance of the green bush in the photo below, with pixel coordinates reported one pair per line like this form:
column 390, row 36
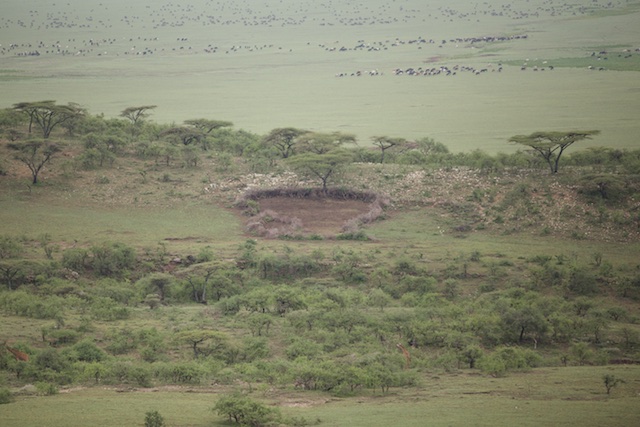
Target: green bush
column 46, row 389
column 9, row 247
column 153, row 419
column 5, row 396
column 103, row 308
column 245, row 411
column 87, row 351
column 75, row 259
column 583, row 282
column 180, row 372
column 112, row 259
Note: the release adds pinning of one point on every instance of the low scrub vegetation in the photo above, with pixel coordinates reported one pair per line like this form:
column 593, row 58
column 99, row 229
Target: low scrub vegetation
column 372, row 307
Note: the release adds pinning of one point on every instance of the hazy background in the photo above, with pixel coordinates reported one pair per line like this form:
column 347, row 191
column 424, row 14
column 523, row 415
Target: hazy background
column 267, row 64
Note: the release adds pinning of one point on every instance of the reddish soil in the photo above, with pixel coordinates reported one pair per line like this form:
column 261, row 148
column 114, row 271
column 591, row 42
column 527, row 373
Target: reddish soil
column 318, row 215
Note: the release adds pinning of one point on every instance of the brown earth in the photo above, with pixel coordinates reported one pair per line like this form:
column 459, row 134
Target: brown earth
column 322, row 216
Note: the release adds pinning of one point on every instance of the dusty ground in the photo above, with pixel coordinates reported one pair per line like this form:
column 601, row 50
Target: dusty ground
column 318, row 215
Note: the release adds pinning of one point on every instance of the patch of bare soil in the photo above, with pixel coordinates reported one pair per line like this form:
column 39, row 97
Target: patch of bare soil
column 323, row 216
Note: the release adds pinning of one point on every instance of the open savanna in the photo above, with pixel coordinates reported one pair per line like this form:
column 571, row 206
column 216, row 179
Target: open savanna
column 177, row 217
column 458, row 249
column 545, row 397
column 273, row 64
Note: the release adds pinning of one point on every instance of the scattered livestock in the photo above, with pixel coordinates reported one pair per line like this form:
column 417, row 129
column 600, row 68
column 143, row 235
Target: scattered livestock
column 376, row 46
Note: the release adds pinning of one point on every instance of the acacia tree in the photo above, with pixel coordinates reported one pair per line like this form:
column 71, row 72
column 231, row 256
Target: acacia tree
column 47, row 115
column 321, row 143
column 35, row 154
column 551, row 145
column 157, row 282
column 283, row 140
column 136, row 114
column 183, row 134
column 322, row 166
column 385, row 143
column 206, row 125
column 204, row 128
column 194, row 337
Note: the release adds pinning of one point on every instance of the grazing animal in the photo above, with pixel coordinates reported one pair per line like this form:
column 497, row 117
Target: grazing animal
column 407, row 356
column 19, row 355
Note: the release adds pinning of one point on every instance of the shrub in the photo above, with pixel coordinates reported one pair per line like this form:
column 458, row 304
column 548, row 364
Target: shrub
column 103, row 308
column 582, row 282
column 9, row 247
column 87, row 351
column 245, row 411
column 75, row 259
column 153, row 419
column 46, row 389
column 5, row 396
column 112, row 259
column 180, row 372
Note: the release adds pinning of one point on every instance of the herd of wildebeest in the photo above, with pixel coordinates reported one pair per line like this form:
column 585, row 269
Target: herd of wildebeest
column 140, row 31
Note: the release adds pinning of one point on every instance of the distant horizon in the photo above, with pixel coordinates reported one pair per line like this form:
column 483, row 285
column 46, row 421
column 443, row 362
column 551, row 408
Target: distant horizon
column 471, row 76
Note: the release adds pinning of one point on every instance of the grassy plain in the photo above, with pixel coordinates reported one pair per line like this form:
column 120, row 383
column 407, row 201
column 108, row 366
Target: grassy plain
column 273, row 64
column 545, row 397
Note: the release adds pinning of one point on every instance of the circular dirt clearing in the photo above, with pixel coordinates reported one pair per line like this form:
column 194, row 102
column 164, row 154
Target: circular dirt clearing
column 324, row 216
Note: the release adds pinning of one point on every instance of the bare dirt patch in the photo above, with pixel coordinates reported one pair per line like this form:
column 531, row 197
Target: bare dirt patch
column 323, row 216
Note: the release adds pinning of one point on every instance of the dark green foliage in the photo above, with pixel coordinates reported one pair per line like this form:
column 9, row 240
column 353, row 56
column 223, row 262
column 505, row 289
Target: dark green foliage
column 5, row 396
column 246, row 411
column 10, row 247
column 611, row 381
column 112, row 259
column 160, row 283
column 582, row 282
column 23, row 303
column 551, row 145
column 153, row 419
column 608, row 188
column 87, row 351
column 180, row 372
column 75, row 259
column 509, row 358
column 46, row 388
column 103, row 308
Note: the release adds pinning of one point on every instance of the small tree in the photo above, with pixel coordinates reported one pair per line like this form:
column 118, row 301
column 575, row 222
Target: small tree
column 158, row 282
column 193, row 338
column 321, row 143
column 322, row 166
column 184, row 135
column 386, row 143
column 137, row 114
column 611, row 381
column 283, row 140
column 245, row 411
column 153, row 419
column 206, row 125
column 551, row 145
column 35, row 154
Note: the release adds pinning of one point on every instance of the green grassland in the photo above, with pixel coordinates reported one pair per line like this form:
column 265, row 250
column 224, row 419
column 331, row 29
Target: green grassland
column 562, row 396
column 276, row 66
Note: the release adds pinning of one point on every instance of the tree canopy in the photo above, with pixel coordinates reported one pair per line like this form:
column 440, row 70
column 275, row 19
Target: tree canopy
column 206, row 125
column 320, row 142
column 322, row 166
column 551, row 145
column 47, row 115
column 283, row 140
column 136, row 114
column 385, row 143
column 35, row 154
